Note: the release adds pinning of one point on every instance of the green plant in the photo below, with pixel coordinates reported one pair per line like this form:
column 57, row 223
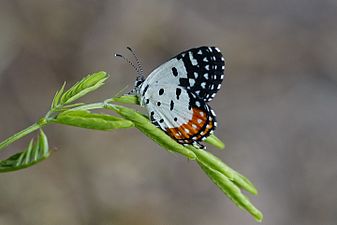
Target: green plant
column 63, row 110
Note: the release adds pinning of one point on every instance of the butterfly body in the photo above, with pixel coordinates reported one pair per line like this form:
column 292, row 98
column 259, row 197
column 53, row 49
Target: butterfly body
column 176, row 94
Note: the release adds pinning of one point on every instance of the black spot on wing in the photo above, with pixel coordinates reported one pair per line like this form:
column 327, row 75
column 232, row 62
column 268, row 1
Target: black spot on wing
column 178, row 92
column 174, row 71
column 171, row 105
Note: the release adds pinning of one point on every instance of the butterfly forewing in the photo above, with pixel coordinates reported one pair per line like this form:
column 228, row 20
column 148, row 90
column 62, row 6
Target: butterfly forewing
column 199, row 70
column 205, row 71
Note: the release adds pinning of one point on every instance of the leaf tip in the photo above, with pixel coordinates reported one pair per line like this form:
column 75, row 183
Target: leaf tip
column 258, row 216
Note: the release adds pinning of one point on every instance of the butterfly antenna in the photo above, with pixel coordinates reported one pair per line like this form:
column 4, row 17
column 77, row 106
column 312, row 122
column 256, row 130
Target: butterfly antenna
column 140, row 67
column 128, row 61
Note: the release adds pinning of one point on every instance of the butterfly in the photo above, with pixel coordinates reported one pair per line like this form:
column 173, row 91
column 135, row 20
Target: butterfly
column 176, row 93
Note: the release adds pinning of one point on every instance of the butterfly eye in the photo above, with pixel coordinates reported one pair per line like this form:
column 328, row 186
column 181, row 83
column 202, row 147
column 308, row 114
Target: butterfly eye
column 139, row 81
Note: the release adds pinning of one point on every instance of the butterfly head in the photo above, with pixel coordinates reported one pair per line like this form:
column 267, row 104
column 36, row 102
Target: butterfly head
column 139, row 81
column 138, row 84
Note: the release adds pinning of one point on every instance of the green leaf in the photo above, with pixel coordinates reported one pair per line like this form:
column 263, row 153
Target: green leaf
column 209, row 160
column 81, row 88
column 204, row 157
column 35, row 152
column 85, row 119
column 216, row 142
column 150, row 130
column 56, row 100
column 227, row 179
column 129, row 99
column 233, row 192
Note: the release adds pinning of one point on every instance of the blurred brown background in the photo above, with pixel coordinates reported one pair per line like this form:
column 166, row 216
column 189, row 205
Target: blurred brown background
column 277, row 111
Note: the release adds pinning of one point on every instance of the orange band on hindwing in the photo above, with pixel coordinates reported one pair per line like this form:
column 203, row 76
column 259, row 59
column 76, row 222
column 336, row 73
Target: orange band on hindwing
column 195, row 129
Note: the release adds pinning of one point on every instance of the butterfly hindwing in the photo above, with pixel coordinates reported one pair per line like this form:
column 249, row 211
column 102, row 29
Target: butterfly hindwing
column 180, row 113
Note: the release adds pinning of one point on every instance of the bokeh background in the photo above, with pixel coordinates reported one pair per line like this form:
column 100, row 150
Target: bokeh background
column 276, row 111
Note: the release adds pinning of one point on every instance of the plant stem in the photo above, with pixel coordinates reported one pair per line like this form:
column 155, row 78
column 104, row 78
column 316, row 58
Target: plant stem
column 22, row 133
column 44, row 121
column 98, row 105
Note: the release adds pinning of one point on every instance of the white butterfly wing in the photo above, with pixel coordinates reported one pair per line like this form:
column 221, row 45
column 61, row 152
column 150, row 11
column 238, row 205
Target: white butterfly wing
column 181, row 114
